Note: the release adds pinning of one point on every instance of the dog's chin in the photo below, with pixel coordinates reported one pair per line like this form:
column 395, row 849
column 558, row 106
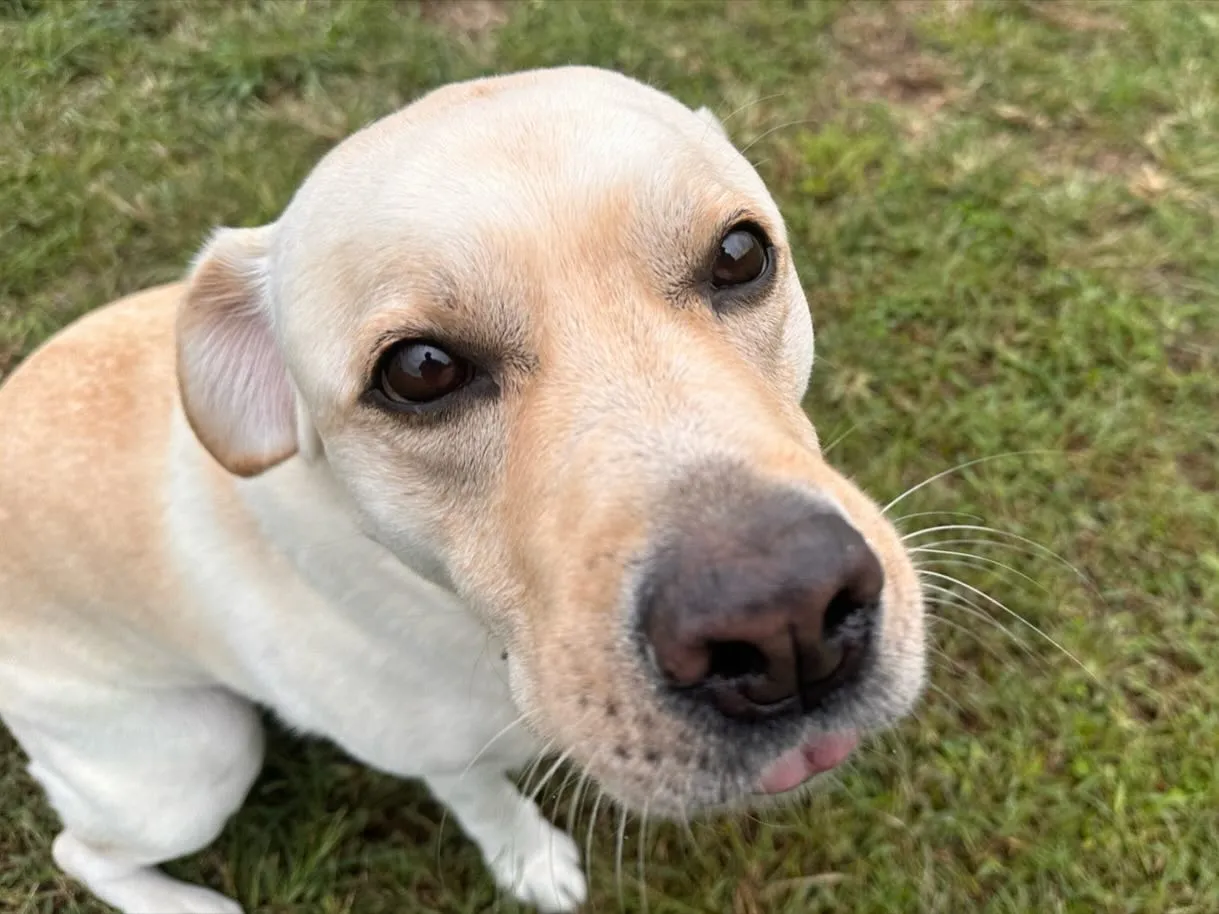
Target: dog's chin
column 775, row 781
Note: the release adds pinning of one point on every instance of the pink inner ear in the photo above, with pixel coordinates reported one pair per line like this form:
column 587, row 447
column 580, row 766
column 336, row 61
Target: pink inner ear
column 234, row 384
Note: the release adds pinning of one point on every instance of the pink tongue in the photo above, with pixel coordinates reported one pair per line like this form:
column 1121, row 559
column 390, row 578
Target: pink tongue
column 795, row 767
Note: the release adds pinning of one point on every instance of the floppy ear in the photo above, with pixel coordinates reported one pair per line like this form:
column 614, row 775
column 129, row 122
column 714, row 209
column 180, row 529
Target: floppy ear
column 234, row 387
column 707, row 115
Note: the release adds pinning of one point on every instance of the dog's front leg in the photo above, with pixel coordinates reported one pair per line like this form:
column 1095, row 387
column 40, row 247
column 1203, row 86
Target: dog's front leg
column 536, row 862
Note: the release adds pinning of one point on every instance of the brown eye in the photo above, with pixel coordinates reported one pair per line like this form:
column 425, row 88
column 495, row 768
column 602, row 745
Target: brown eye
column 742, row 258
column 417, row 372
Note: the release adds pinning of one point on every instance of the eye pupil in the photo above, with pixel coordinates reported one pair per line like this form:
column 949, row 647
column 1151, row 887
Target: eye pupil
column 742, row 258
column 421, row 372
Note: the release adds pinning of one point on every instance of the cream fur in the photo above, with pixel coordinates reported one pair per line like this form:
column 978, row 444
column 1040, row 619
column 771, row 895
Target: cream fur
column 199, row 513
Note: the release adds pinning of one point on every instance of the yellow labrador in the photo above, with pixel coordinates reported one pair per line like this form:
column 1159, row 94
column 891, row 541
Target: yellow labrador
column 491, row 443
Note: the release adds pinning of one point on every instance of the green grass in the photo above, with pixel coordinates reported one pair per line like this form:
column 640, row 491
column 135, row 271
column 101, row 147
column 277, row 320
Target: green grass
column 1005, row 216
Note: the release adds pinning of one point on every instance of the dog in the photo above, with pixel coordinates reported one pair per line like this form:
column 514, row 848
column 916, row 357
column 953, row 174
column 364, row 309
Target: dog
column 491, row 445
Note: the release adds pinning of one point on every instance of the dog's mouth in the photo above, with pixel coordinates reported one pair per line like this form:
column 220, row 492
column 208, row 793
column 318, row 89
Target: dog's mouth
column 815, row 756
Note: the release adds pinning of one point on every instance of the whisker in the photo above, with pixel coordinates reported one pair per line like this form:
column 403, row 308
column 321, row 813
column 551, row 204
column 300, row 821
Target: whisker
column 643, row 844
column 775, row 129
column 753, row 816
column 618, row 859
column 687, row 828
column 572, row 772
column 531, row 771
column 1036, row 546
column 949, row 663
column 948, row 697
column 970, row 560
column 588, row 843
column 481, row 752
column 1014, row 615
column 1032, row 548
column 444, row 818
column 969, row 607
column 906, row 517
column 960, row 669
column 750, row 104
column 956, row 469
column 573, row 808
column 549, row 774
column 839, row 439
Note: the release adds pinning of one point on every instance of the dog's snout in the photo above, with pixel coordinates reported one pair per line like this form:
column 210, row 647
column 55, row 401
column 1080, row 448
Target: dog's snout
column 763, row 613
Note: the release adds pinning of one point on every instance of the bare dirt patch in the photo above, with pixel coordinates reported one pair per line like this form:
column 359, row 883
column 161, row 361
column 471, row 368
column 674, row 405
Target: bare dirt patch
column 1192, row 354
column 1200, row 470
column 887, row 63
column 1089, row 16
column 470, row 19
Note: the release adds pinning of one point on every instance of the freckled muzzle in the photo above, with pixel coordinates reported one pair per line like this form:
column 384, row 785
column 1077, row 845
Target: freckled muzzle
column 720, row 614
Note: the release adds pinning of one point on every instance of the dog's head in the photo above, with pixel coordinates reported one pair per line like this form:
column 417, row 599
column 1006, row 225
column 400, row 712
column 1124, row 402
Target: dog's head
column 546, row 331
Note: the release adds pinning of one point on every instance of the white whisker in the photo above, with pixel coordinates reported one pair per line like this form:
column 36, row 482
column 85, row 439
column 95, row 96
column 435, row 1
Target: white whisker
column 1037, row 547
column 948, row 698
column 549, row 774
column 971, row 560
column 969, row 607
column 956, row 469
column 977, row 639
column 1015, row 615
column 838, row 440
column 558, row 800
column 906, row 517
column 531, row 771
column 588, row 843
column 643, row 845
column 745, row 107
column 618, row 859
column 577, row 799
column 481, row 752
column 775, row 129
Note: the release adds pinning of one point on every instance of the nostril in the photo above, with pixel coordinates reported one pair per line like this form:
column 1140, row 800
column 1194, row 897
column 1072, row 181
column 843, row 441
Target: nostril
column 839, row 611
column 735, row 660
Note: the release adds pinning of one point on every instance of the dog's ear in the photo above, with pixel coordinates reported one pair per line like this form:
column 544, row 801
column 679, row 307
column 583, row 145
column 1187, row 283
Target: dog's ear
column 709, row 116
column 234, row 386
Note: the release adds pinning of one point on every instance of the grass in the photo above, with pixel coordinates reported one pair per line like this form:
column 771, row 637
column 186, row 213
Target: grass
column 1005, row 216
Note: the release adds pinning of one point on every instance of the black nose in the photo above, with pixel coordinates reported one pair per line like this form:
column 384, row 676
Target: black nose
column 764, row 610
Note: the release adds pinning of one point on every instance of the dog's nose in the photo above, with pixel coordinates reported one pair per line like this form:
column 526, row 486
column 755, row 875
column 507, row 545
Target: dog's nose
column 767, row 614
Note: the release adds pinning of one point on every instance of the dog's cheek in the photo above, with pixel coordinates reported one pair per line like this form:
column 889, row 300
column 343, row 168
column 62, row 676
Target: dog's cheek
column 798, row 345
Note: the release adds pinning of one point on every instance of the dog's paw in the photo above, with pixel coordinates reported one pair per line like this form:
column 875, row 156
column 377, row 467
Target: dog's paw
column 150, row 892
column 540, row 866
column 144, row 890
column 179, row 898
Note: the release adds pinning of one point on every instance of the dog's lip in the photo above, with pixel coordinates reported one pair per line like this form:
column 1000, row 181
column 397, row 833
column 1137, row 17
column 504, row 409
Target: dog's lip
column 815, row 756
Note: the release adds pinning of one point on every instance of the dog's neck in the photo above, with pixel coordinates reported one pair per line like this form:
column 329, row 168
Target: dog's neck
column 304, row 513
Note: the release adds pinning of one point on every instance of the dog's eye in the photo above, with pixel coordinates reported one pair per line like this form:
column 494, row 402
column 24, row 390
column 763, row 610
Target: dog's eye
column 419, row 372
column 743, row 256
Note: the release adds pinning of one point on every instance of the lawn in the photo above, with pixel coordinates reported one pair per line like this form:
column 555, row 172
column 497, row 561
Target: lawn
column 1005, row 218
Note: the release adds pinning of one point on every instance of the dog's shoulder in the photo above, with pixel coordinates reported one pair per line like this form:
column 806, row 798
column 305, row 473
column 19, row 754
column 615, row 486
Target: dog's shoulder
column 87, row 369
column 85, row 421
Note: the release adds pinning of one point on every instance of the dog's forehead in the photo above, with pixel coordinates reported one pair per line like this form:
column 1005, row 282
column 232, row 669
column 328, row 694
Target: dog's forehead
column 540, row 153
column 498, row 198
